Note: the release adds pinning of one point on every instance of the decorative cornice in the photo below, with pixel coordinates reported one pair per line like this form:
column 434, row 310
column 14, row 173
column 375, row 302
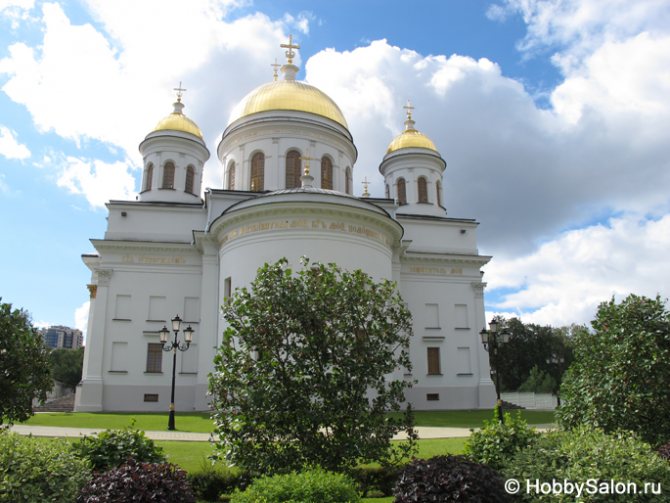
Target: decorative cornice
column 92, row 290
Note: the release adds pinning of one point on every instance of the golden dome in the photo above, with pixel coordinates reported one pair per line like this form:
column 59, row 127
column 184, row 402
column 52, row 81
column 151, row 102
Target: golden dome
column 289, row 95
column 410, row 138
column 177, row 121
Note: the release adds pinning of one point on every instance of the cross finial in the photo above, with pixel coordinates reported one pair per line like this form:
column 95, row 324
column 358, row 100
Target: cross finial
column 290, row 53
column 180, row 92
column 307, row 158
column 409, row 122
column 365, row 187
column 275, row 67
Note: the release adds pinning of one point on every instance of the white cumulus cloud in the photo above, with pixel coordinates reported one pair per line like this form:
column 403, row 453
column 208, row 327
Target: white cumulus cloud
column 81, row 318
column 96, row 180
column 10, row 146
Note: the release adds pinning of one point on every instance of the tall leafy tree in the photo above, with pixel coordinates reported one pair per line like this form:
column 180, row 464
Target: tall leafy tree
column 530, row 346
column 303, row 376
column 25, row 373
column 620, row 378
column 67, row 366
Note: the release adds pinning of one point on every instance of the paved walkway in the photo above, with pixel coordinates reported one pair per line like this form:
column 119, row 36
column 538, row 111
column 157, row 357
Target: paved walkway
column 55, row 431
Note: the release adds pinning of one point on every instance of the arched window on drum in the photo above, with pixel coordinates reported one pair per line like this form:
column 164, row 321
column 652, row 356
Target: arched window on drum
column 257, row 172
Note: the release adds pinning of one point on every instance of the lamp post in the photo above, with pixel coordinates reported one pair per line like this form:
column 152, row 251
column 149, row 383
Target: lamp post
column 492, row 339
column 174, row 346
column 557, row 361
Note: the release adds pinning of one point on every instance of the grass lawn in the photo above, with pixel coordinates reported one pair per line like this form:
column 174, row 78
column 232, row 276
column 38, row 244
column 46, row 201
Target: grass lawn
column 196, row 422
column 200, row 422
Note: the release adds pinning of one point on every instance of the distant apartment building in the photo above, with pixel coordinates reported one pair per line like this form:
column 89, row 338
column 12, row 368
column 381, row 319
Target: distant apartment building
column 59, row 337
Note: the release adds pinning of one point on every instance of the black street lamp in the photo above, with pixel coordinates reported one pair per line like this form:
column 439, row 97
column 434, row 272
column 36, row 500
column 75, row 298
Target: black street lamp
column 492, row 340
column 558, row 362
column 174, row 346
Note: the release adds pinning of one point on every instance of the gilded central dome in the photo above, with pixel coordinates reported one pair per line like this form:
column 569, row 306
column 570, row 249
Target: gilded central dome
column 289, row 95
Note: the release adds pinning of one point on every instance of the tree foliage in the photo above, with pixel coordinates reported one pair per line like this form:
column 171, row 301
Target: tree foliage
column 66, row 366
column 302, row 376
column 530, row 346
column 25, row 373
column 621, row 375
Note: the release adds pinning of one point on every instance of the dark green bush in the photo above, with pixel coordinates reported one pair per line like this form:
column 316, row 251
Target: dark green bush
column 139, row 483
column 212, row 481
column 664, row 451
column 111, row 448
column 447, row 479
column 33, row 470
column 311, row 486
column 497, row 442
column 379, row 480
column 584, row 455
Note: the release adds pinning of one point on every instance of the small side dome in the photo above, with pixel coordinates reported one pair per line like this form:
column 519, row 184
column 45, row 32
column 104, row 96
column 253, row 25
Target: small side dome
column 177, row 121
column 410, row 137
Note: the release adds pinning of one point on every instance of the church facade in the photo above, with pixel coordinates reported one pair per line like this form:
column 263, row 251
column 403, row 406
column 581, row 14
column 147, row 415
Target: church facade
column 287, row 191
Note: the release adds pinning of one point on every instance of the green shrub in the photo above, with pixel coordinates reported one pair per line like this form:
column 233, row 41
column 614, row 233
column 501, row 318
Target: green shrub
column 378, row 480
column 311, row 486
column 139, row 483
column 34, row 470
column 214, row 480
column 590, row 456
column 496, row 442
column 111, row 448
column 447, row 479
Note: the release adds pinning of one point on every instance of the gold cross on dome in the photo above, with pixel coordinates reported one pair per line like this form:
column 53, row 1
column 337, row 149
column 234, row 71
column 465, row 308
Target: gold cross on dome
column 307, row 158
column 180, row 91
column 365, row 187
column 290, row 53
column 275, row 66
column 408, row 108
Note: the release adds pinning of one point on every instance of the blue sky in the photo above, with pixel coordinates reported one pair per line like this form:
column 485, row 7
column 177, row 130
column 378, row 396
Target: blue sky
column 552, row 117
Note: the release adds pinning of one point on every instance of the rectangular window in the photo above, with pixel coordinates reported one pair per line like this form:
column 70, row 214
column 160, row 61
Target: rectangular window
column 157, row 308
column 461, row 315
column 463, row 366
column 433, row 361
column 119, row 356
column 154, row 358
column 189, row 360
column 227, row 288
column 122, row 311
column 433, row 397
column 192, row 309
column 151, row 397
column 432, row 316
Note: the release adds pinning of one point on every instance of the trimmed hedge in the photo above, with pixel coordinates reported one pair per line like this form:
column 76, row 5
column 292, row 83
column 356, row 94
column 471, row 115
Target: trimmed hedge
column 111, row 448
column 34, row 470
column 311, row 486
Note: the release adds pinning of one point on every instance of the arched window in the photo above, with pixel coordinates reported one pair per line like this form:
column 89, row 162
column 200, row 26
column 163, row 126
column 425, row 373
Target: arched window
column 347, row 180
column 190, row 180
column 402, row 191
column 230, row 179
column 148, row 176
column 422, row 185
column 388, row 191
column 292, row 169
column 257, row 172
column 326, row 173
column 438, row 186
column 168, row 176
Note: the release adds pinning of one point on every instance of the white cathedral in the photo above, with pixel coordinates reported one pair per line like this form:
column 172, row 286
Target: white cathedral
column 287, row 191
